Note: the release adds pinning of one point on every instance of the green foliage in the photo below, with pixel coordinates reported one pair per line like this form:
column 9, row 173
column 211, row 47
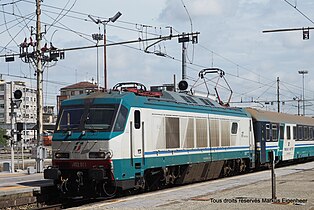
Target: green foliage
column 3, row 140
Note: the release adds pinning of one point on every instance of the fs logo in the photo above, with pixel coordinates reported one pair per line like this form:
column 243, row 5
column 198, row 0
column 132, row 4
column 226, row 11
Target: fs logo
column 78, row 146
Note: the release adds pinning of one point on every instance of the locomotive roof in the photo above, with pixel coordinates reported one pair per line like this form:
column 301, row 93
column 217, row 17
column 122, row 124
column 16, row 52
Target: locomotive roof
column 168, row 100
column 267, row 116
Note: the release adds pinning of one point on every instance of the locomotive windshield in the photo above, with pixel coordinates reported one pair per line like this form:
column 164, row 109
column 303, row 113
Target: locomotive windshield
column 70, row 118
column 104, row 118
column 99, row 118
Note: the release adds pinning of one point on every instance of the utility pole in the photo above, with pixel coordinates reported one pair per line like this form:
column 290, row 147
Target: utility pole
column 303, row 97
column 278, row 99
column 183, row 60
column 12, row 128
column 105, row 58
column 184, row 39
column 39, row 73
column 105, row 22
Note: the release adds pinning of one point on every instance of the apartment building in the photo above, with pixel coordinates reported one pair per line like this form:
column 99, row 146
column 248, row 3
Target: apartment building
column 75, row 89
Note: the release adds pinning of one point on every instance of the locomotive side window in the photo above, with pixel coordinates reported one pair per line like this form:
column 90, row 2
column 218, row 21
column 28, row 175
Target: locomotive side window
column 201, row 133
column 188, row 141
column 288, row 132
column 172, row 132
column 225, row 133
column 234, row 128
column 137, row 119
column 121, row 119
column 214, row 133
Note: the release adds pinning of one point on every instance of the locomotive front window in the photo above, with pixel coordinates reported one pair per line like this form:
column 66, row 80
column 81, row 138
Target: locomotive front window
column 70, row 118
column 100, row 118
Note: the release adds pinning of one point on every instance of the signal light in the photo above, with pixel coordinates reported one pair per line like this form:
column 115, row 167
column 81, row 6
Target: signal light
column 18, row 94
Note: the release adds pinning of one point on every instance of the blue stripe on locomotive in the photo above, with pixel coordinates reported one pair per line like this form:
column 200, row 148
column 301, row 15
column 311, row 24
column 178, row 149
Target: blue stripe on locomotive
column 175, row 158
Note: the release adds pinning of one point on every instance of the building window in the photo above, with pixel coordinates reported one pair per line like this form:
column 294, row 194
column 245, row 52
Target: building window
column 1, row 106
column 72, row 93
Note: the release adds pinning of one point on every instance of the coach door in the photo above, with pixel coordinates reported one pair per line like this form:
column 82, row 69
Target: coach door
column 137, row 135
column 289, row 143
column 252, row 144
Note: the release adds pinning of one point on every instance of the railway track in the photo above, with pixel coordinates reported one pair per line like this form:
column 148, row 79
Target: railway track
column 47, row 199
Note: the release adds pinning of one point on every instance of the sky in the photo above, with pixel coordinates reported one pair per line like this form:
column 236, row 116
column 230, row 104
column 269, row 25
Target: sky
column 231, row 38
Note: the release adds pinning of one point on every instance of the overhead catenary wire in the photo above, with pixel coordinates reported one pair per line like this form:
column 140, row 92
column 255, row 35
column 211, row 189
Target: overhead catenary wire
column 299, row 11
column 60, row 15
column 254, row 81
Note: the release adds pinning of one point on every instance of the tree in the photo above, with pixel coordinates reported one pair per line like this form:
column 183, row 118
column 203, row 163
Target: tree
column 3, row 137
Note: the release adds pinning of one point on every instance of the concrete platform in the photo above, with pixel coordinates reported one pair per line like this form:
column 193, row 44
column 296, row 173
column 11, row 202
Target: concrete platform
column 295, row 190
column 21, row 182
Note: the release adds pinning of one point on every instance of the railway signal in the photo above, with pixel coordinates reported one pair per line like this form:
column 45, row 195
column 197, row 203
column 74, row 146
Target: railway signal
column 14, row 103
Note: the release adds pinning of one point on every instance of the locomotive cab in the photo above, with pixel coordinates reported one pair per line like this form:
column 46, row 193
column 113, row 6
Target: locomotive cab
column 82, row 157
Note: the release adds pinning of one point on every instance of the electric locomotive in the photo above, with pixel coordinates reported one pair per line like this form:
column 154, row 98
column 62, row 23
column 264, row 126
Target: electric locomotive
column 131, row 138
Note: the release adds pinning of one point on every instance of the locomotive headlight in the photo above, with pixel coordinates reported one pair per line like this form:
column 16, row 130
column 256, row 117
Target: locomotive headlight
column 97, row 155
column 62, row 155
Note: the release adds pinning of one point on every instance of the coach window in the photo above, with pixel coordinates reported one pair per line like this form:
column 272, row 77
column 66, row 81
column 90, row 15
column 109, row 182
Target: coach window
column 306, row 132
column 234, row 128
column 300, row 132
column 274, row 132
column 288, row 132
column 282, row 132
column 310, row 133
column 294, row 132
column 267, row 132
column 137, row 119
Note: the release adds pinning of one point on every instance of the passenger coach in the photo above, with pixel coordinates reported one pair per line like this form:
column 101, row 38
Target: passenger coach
column 290, row 136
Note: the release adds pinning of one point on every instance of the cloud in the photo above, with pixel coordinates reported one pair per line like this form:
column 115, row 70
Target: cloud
column 174, row 10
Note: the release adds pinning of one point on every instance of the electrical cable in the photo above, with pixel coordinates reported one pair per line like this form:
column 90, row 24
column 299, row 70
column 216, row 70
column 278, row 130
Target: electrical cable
column 58, row 20
column 11, row 3
column 6, row 26
column 295, row 7
column 13, row 37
